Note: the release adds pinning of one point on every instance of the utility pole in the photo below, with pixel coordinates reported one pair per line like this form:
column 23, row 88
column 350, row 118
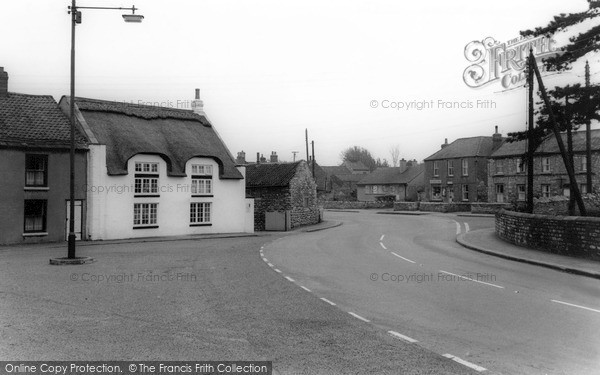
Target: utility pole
column 306, row 138
column 588, row 131
column 561, row 145
column 571, row 206
column 294, row 153
column 313, row 159
column 530, row 144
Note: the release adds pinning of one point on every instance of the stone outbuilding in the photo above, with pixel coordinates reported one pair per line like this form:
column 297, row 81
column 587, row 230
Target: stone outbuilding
column 285, row 195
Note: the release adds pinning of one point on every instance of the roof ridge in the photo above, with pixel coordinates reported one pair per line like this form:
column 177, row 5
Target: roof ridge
column 31, row 95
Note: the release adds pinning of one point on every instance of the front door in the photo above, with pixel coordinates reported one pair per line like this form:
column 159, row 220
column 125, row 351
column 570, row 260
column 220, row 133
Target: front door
column 500, row 193
column 78, row 216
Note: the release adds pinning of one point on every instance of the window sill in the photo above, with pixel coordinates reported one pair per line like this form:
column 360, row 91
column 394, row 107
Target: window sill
column 201, row 225
column 146, row 227
column 202, row 196
column 36, row 188
column 147, row 196
column 35, row 234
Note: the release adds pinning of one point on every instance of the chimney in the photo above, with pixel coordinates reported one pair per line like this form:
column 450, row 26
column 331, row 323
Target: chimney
column 263, row 159
column 445, row 143
column 402, row 164
column 258, row 158
column 3, row 83
column 274, row 157
column 496, row 140
column 198, row 105
column 241, row 158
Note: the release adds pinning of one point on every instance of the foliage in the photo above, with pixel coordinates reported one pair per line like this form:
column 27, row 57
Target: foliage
column 385, row 198
column 357, row 153
column 395, row 154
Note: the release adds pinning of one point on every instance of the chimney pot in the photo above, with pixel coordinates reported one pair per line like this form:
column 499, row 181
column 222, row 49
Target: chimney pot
column 3, row 83
column 197, row 94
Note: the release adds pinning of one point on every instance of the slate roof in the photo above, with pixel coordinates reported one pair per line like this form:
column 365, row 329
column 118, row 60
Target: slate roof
column 464, row 148
column 270, row 174
column 393, row 175
column 174, row 134
column 549, row 145
column 35, row 121
column 337, row 170
column 356, row 165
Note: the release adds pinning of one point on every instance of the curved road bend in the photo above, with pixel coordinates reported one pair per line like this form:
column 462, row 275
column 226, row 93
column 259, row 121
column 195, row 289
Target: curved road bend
column 408, row 275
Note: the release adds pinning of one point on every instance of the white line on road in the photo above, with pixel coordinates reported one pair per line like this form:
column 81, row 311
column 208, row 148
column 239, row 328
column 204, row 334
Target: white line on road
column 466, row 363
column 473, row 280
column 401, row 336
column 359, row 317
column 270, row 264
column 581, row 307
column 277, row 270
column 305, row 288
column 381, row 239
column 265, row 259
column 289, row 278
column 328, row 301
column 457, row 227
column 467, row 229
column 401, row 257
column 382, row 245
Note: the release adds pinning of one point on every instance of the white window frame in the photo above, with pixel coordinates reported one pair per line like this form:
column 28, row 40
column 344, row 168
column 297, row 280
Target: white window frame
column 465, row 167
column 465, row 192
column 520, row 166
column 450, row 168
column 146, row 167
column 436, row 168
column 200, row 213
column 499, row 166
column 202, row 169
column 546, row 165
column 146, row 178
column 584, row 163
column 202, row 186
column 521, row 195
column 583, row 189
column 546, row 190
column 145, row 215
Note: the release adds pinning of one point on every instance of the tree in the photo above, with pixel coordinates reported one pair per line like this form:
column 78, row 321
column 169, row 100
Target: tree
column 357, row 153
column 395, row 153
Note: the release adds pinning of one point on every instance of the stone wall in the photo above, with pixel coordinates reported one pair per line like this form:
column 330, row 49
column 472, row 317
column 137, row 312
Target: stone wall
column 303, row 198
column 488, row 208
column 444, row 207
column 406, row 206
column 349, row 205
column 574, row 236
column 559, row 205
column 268, row 200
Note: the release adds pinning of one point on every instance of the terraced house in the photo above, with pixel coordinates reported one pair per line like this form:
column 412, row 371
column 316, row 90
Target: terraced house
column 157, row 171
column 34, row 165
column 459, row 171
column 508, row 173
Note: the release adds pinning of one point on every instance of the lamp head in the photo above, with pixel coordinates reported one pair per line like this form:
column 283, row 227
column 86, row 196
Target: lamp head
column 137, row 18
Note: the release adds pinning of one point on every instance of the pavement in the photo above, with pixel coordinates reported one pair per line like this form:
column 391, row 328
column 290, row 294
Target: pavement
column 486, row 241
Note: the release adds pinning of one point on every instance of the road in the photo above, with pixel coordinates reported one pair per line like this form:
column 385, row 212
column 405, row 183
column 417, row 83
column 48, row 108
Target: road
column 403, row 274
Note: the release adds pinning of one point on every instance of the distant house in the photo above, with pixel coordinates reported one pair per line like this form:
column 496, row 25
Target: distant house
column 507, row 172
column 401, row 183
column 356, row 167
column 156, row 171
column 285, row 190
column 343, row 181
column 35, row 165
column 459, row 171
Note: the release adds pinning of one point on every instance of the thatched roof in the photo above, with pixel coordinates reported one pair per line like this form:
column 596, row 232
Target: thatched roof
column 175, row 135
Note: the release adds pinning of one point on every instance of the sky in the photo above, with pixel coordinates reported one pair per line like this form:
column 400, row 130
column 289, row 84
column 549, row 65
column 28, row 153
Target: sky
column 269, row 69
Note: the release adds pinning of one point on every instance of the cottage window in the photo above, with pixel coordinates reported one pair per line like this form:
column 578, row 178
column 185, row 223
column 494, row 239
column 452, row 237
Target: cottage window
column 465, row 167
column 583, row 189
column 450, row 167
column 436, row 168
column 146, row 179
column 374, row 189
column 144, row 214
column 36, row 170
column 201, row 186
column 546, row 191
column 546, row 165
column 521, row 192
column 200, row 213
column 584, row 163
column 521, row 166
column 465, row 192
column 35, row 215
column 436, row 192
column 202, row 169
column 499, row 166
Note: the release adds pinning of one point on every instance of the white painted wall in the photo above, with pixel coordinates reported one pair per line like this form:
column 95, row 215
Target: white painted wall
column 111, row 200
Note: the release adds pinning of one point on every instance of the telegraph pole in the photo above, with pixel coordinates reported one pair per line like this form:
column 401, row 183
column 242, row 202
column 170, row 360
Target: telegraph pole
column 306, row 138
column 313, row 158
column 530, row 143
column 588, row 131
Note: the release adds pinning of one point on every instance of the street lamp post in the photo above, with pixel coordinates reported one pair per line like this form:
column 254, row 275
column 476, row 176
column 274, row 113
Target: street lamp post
column 75, row 19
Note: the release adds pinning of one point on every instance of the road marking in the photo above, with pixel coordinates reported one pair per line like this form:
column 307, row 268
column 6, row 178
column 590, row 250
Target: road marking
column 328, row 301
column 402, row 337
column 473, row 280
column 270, row 264
column 467, row 229
column 289, row 278
column 265, row 259
column 581, row 307
column 381, row 239
column 382, row 245
column 359, row 317
column 278, row 271
column 466, row 363
column 457, row 227
column 305, row 288
column 401, row 257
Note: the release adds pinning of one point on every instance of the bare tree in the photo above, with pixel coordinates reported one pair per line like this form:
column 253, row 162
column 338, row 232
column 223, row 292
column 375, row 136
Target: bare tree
column 395, row 152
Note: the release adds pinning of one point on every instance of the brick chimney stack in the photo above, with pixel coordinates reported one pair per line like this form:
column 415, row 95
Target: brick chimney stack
column 3, row 83
column 241, row 158
column 402, row 164
column 445, row 143
column 274, row 157
column 198, row 105
column 496, row 139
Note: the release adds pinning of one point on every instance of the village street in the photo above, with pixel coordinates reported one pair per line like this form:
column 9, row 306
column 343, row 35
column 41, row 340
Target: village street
column 401, row 273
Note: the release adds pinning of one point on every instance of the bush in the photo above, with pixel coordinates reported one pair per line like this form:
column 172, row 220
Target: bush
column 385, row 198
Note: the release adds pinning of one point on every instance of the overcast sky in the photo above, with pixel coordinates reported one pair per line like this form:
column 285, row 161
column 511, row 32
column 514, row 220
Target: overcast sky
column 268, row 69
